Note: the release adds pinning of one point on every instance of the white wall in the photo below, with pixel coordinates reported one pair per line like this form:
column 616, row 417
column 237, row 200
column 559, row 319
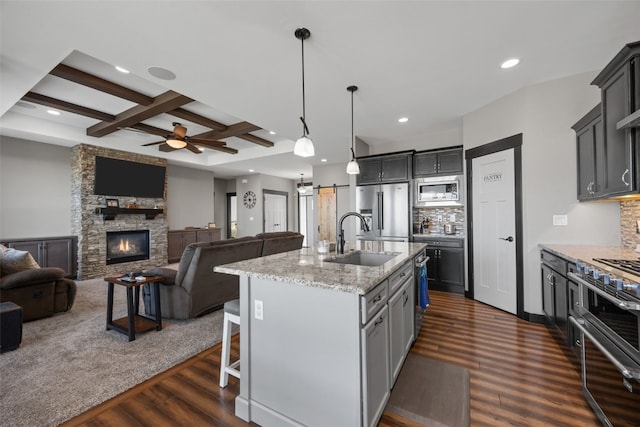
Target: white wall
column 544, row 114
column 190, row 197
column 35, row 189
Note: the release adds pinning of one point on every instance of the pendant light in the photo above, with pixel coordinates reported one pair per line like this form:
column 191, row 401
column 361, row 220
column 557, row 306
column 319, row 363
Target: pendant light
column 301, row 188
column 304, row 145
column 352, row 167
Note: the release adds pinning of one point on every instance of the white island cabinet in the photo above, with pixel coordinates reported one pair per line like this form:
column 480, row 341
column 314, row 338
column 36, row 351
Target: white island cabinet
column 316, row 337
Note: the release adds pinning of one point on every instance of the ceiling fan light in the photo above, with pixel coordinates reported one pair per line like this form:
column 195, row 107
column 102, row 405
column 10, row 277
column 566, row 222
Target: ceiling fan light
column 176, row 143
column 353, row 168
column 304, row 147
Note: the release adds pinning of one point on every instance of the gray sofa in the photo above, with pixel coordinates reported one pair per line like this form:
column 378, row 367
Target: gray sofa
column 195, row 289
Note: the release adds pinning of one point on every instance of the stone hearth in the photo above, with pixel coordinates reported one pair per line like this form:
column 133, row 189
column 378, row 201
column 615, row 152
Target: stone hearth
column 91, row 228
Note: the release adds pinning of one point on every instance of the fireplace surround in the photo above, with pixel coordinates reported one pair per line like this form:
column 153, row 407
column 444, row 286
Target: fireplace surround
column 127, row 246
column 91, row 226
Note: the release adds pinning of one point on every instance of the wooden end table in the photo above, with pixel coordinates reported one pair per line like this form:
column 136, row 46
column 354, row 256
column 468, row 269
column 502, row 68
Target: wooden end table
column 134, row 322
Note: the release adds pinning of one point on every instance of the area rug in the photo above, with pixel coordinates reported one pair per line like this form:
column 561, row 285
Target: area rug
column 431, row 392
column 69, row 363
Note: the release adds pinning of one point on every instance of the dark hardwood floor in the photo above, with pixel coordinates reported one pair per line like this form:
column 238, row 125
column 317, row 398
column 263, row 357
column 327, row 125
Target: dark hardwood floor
column 520, row 376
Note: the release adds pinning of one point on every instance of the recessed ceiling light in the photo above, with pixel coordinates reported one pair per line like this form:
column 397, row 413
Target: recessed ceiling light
column 201, row 149
column 53, row 112
column 122, row 70
column 323, row 160
column 272, row 132
column 403, row 119
column 251, row 170
column 510, row 63
column 161, row 73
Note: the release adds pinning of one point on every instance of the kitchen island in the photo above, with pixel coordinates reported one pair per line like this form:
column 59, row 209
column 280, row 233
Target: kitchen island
column 321, row 342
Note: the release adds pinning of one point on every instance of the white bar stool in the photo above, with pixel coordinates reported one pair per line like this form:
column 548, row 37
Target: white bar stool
column 231, row 315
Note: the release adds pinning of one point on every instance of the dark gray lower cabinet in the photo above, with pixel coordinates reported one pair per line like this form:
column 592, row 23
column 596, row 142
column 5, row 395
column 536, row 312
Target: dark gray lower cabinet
column 58, row 252
column 445, row 268
column 560, row 296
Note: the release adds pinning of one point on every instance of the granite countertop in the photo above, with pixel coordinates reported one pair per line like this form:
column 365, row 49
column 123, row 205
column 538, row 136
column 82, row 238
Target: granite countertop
column 306, row 267
column 586, row 253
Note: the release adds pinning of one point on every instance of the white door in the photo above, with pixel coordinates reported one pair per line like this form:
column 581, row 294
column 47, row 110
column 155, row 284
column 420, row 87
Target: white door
column 494, row 247
column 275, row 212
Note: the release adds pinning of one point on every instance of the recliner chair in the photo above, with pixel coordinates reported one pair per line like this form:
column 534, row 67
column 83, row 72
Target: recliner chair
column 40, row 292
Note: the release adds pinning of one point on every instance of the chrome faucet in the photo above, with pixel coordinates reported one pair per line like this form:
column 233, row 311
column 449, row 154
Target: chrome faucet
column 340, row 243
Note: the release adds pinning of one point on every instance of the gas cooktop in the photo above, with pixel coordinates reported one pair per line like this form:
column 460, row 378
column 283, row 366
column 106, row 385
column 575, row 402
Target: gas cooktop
column 629, row 265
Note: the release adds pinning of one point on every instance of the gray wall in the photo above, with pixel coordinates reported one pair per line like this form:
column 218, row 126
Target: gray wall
column 544, row 114
column 35, row 189
column 190, row 197
column 250, row 221
column 35, row 192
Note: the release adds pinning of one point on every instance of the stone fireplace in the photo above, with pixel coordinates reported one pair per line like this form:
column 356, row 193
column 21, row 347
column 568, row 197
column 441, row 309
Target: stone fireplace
column 92, row 227
column 127, row 246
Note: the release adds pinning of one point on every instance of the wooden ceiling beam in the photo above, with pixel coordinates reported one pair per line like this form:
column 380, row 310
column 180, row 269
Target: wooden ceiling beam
column 255, row 140
column 150, row 129
column 198, row 119
column 232, row 130
column 98, row 83
column 163, row 103
column 37, row 98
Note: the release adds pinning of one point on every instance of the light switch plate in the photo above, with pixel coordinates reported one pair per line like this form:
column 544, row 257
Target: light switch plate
column 258, row 310
column 560, row 220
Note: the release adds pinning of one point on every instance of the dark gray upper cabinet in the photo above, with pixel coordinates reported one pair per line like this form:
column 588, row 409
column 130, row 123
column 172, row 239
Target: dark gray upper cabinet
column 620, row 99
column 437, row 162
column 386, row 168
column 590, row 149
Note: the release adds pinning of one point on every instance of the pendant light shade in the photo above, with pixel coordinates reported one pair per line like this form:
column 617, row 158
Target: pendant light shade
column 352, row 167
column 301, row 187
column 304, row 145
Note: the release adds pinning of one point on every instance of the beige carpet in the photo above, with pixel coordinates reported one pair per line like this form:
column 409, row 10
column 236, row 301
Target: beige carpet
column 69, row 363
column 431, row 392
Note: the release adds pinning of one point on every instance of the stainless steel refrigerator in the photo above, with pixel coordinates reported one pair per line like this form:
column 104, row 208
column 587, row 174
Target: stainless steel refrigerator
column 385, row 207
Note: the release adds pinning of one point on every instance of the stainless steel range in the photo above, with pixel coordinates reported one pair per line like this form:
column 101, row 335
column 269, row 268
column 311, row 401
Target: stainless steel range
column 608, row 318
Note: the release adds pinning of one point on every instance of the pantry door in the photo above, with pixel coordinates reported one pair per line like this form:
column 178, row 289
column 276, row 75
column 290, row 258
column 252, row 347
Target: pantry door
column 495, row 238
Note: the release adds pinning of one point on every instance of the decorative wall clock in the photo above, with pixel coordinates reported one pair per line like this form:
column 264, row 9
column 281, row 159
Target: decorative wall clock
column 249, row 199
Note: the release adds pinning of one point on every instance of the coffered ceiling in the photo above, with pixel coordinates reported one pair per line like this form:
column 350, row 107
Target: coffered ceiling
column 238, row 71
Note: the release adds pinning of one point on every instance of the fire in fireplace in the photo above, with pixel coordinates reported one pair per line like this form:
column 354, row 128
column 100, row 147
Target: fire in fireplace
column 127, row 246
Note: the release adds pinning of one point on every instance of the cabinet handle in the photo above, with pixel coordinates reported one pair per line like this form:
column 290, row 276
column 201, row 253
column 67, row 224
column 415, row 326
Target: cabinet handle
column 578, row 344
column 406, row 298
column 623, row 180
column 377, row 298
column 380, row 320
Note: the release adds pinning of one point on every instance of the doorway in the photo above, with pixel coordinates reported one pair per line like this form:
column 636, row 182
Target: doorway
column 306, row 211
column 232, row 215
column 275, row 210
column 494, row 221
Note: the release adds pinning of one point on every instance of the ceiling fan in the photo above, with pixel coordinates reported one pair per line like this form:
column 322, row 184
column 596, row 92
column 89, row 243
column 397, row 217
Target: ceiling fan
column 179, row 139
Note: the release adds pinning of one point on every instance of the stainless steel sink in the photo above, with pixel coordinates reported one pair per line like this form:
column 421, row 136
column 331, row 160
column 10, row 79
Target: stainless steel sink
column 368, row 259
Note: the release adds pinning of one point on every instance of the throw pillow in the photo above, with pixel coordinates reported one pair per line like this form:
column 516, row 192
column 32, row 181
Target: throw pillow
column 12, row 261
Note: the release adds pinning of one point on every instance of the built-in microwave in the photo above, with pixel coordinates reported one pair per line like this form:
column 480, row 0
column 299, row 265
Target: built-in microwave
column 439, row 191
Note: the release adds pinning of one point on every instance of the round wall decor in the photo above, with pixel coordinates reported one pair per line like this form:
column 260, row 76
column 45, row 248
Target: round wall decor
column 249, row 199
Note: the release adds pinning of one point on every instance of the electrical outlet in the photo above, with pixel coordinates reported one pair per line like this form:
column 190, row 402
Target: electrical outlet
column 258, row 310
column 439, row 218
column 452, row 217
column 560, row 220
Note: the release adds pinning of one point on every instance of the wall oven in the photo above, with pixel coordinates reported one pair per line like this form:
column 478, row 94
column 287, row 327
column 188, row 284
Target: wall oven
column 608, row 318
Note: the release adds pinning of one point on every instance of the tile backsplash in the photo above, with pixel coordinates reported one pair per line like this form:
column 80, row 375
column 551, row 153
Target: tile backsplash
column 445, row 214
column 629, row 217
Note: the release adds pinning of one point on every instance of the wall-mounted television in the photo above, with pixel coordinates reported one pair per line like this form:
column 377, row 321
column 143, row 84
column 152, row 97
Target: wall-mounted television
column 115, row 177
